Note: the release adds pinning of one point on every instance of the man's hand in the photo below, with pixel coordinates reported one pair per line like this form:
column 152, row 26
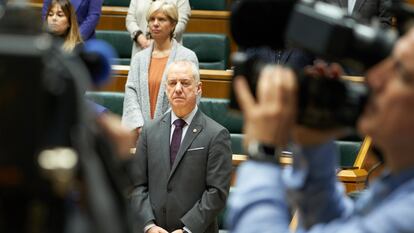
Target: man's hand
column 271, row 117
column 156, row 229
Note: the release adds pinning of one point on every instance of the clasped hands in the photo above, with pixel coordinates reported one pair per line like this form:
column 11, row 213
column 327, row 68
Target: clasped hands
column 157, row 229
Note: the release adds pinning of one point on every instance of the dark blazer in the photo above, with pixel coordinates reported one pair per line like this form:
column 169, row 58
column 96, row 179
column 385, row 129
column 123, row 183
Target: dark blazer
column 294, row 58
column 366, row 9
column 194, row 190
column 88, row 13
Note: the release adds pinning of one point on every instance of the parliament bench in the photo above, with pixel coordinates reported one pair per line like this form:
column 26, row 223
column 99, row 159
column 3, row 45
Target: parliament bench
column 195, row 4
column 121, row 41
column 214, row 5
column 201, row 21
column 212, row 50
column 216, row 83
column 215, row 108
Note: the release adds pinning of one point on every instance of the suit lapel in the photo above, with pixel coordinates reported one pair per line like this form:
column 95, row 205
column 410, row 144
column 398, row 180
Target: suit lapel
column 193, row 131
column 165, row 140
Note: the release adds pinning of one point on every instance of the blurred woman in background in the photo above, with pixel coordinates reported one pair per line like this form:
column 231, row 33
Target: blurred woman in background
column 61, row 22
column 87, row 13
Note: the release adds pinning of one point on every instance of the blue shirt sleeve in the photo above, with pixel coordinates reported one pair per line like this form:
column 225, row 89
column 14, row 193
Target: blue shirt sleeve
column 312, row 185
column 259, row 202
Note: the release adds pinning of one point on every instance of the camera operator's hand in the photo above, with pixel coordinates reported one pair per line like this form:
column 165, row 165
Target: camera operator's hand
column 121, row 137
column 322, row 69
column 270, row 118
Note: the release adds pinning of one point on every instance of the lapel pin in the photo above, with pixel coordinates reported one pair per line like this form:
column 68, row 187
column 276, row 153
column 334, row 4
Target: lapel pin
column 194, row 130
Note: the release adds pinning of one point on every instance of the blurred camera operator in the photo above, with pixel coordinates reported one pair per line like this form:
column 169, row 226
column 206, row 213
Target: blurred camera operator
column 264, row 191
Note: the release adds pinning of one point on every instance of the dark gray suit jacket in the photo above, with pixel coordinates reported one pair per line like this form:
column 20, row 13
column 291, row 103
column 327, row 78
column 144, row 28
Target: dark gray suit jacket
column 366, row 9
column 194, row 190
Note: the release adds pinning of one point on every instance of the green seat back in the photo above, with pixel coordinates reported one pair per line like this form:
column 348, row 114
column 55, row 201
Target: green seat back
column 348, row 152
column 237, row 143
column 218, row 5
column 212, row 50
column 114, row 101
column 217, row 109
column 121, row 41
column 116, row 3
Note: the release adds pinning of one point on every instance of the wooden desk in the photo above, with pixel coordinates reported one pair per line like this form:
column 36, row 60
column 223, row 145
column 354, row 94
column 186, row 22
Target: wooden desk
column 216, row 83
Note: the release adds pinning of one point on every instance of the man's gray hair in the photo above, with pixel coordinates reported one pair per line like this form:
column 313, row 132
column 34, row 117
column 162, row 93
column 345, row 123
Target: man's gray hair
column 194, row 69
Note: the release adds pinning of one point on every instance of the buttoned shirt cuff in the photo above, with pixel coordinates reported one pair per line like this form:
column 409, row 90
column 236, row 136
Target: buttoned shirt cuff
column 148, row 226
column 186, row 230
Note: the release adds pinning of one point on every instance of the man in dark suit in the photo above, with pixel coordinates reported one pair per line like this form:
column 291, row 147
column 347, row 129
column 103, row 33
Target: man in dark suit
column 292, row 57
column 366, row 9
column 181, row 190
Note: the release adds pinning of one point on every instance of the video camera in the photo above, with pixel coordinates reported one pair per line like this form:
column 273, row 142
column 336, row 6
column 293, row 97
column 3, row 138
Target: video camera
column 327, row 32
column 57, row 171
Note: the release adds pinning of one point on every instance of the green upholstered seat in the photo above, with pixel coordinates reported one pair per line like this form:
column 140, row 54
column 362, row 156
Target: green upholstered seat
column 237, row 143
column 114, row 101
column 348, row 153
column 218, row 5
column 212, row 50
column 116, row 3
column 217, row 109
column 121, row 41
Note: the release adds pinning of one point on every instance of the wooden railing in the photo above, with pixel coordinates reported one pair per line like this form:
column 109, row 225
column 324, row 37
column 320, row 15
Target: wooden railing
column 216, row 83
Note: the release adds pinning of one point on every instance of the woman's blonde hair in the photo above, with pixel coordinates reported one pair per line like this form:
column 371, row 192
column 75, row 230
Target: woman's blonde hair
column 72, row 36
column 167, row 8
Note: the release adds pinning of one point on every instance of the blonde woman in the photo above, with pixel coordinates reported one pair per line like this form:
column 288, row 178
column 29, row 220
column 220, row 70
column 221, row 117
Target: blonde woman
column 137, row 25
column 145, row 97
